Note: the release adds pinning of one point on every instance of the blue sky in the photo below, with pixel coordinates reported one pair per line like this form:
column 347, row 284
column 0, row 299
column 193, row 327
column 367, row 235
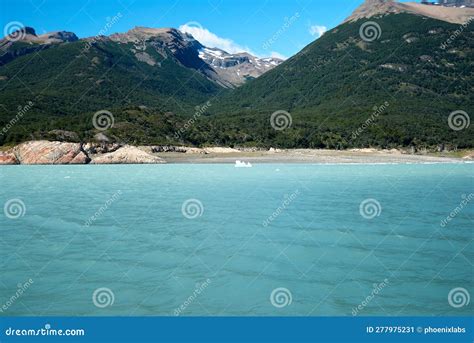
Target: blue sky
column 264, row 27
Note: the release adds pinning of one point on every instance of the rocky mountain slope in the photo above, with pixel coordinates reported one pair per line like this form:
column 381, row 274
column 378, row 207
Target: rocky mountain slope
column 235, row 69
column 372, row 8
column 394, row 85
column 228, row 70
column 26, row 41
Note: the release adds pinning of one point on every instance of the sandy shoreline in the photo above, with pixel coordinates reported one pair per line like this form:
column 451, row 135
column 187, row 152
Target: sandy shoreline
column 53, row 152
column 307, row 156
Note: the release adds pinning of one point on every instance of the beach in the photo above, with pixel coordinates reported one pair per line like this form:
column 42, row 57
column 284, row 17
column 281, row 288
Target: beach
column 358, row 156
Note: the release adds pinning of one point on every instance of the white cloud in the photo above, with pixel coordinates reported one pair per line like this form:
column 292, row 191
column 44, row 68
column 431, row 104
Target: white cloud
column 211, row 40
column 275, row 54
column 317, row 30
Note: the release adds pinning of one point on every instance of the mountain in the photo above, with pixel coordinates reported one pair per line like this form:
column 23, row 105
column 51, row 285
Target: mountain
column 386, row 77
column 228, row 70
column 236, row 69
column 403, row 76
column 456, row 15
column 26, row 41
column 68, row 79
column 67, row 82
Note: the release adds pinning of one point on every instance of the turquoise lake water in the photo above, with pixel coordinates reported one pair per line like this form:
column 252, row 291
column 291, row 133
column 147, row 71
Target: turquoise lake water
column 269, row 240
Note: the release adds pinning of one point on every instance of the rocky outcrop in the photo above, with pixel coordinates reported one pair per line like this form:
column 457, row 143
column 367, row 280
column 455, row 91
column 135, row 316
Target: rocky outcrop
column 8, row 158
column 44, row 152
column 100, row 148
column 127, row 155
column 168, row 148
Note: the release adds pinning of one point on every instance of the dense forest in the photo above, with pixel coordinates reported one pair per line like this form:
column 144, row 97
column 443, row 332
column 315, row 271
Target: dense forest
column 339, row 92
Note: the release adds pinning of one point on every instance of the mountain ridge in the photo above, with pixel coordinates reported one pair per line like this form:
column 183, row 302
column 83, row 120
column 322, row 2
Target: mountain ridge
column 237, row 69
column 413, row 73
column 372, row 8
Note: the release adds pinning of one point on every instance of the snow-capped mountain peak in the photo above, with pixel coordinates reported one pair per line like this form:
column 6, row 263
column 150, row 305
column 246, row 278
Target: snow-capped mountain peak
column 235, row 69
